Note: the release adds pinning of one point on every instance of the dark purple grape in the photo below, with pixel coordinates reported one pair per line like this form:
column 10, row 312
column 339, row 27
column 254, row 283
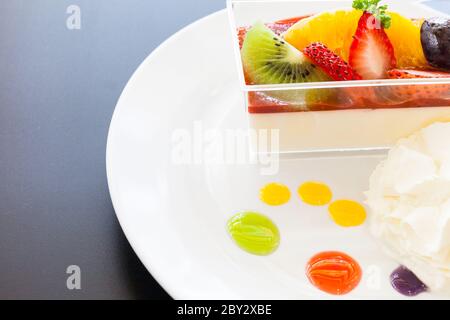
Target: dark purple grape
column 435, row 37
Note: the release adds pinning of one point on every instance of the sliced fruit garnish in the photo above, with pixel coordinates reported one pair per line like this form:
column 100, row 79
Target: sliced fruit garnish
column 268, row 59
column 334, row 29
column 371, row 52
column 278, row 27
column 401, row 94
column 414, row 92
column 413, row 74
column 333, row 65
column 435, row 38
column 404, row 34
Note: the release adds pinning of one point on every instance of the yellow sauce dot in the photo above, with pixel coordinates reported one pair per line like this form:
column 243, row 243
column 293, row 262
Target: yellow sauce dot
column 275, row 194
column 347, row 213
column 315, row 193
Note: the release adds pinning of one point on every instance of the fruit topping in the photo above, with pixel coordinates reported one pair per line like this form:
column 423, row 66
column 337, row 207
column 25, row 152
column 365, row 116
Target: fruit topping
column 268, row 59
column 403, row 93
column 364, row 43
column 372, row 7
column 334, row 29
column 333, row 65
column 413, row 74
column 278, row 27
column 371, row 52
column 435, row 37
column 404, row 34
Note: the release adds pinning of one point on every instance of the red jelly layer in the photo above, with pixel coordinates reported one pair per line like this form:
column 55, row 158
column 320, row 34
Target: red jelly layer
column 374, row 98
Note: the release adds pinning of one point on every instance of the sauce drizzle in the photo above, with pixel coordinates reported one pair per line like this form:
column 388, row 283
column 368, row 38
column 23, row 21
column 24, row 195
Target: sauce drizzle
column 347, row 213
column 275, row 194
column 315, row 193
column 333, row 272
column 406, row 282
column 254, row 233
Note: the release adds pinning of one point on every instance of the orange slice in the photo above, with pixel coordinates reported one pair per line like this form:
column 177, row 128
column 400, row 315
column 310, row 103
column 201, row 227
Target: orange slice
column 336, row 29
column 333, row 29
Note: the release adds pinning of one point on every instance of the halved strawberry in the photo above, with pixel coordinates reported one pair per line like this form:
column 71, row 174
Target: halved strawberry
column 338, row 70
column 331, row 63
column 414, row 74
column 417, row 93
column 371, row 52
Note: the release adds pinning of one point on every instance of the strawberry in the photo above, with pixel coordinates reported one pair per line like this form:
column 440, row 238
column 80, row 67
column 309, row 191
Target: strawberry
column 371, row 52
column 415, row 92
column 241, row 32
column 414, row 74
column 292, row 21
column 331, row 63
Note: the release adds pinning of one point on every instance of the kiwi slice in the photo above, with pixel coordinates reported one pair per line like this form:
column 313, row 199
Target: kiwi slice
column 269, row 59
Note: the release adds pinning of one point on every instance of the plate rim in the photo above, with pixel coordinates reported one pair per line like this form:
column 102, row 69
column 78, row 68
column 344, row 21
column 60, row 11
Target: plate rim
column 156, row 274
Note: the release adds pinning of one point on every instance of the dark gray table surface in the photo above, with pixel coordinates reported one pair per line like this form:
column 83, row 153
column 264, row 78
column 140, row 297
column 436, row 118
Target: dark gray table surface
column 58, row 90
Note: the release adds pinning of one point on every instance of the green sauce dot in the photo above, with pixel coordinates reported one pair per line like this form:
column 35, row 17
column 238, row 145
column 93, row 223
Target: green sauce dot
column 254, row 233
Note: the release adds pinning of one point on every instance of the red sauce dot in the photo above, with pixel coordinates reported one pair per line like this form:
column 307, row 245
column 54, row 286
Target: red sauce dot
column 333, row 272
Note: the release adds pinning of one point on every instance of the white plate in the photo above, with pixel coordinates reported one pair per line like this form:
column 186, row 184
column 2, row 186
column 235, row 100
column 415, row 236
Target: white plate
column 174, row 215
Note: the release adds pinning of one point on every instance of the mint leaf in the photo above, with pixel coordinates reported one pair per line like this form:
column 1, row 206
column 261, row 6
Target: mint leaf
column 385, row 20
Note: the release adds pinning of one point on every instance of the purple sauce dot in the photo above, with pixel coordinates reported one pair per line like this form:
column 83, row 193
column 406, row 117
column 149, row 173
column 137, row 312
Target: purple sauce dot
column 406, row 282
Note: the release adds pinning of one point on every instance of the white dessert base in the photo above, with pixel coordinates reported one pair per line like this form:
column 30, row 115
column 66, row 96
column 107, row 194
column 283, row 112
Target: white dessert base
column 340, row 130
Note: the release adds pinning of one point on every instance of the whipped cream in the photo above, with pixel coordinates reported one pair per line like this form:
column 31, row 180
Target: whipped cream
column 409, row 198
